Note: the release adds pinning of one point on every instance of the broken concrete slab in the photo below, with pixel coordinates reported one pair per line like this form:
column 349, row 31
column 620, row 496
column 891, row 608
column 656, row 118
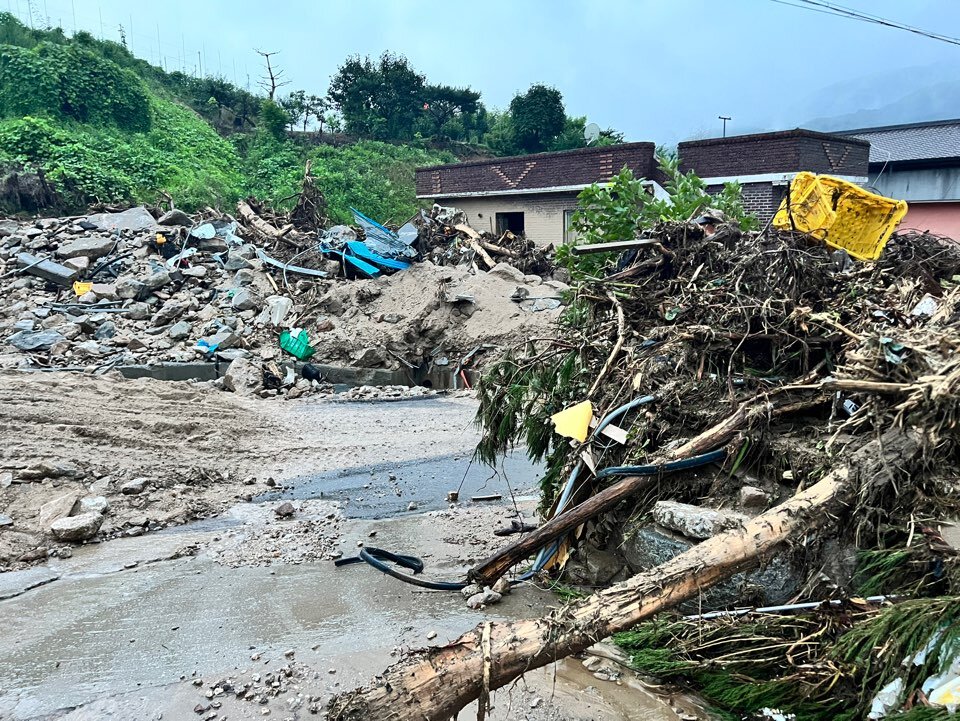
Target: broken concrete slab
column 41, row 340
column 47, row 269
column 695, row 521
column 134, row 219
column 92, row 248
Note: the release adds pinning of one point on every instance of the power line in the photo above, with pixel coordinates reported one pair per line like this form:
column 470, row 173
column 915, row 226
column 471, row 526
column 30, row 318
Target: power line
column 828, row 8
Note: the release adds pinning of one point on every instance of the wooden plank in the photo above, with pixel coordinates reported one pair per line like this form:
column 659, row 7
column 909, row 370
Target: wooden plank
column 617, row 247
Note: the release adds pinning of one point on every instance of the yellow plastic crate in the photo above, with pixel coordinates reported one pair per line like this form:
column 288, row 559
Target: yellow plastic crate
column 841, row 214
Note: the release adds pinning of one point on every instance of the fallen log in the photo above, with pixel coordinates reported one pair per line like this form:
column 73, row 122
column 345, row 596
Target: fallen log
column 265, row 230
column 436, row 683
column 473, row 238
column 494, row 566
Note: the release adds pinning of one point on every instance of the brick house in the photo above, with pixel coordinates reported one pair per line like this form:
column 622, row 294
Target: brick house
column 533, row 194
column 764, row 163
column 919, row 163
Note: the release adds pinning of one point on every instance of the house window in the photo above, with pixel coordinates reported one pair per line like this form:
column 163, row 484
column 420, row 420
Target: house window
column 510, row 221
column 569, row 234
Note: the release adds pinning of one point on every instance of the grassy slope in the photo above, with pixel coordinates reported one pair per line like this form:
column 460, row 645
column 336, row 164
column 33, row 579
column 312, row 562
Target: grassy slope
column 105, row 126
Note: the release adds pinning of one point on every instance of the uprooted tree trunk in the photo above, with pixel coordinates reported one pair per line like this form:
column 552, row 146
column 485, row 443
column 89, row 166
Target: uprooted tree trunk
column 487, row 571
column 435, row 684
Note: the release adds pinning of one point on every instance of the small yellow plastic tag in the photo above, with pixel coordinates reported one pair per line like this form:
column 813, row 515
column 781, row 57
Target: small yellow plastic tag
column 81, row 288
column 574, row 422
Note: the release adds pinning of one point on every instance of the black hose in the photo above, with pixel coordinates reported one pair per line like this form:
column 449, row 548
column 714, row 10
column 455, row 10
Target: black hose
column 376, row 557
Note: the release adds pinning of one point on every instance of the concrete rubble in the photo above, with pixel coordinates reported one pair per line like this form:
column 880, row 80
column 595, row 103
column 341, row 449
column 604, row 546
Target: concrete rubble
column 135, row 290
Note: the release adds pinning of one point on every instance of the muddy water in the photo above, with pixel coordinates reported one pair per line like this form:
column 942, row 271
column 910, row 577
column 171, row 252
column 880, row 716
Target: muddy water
column 125, row 621
column 121, row 623
column 387, row 489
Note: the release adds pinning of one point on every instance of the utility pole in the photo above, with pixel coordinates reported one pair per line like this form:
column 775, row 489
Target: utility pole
column 724, row 118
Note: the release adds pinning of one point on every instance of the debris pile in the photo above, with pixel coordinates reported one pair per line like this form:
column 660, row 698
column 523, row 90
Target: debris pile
column 446, row 238
column 766, row 363
column 733, row 419
column 255, row 296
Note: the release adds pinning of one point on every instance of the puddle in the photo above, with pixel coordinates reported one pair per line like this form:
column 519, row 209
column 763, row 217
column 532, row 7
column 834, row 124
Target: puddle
column 369, row 491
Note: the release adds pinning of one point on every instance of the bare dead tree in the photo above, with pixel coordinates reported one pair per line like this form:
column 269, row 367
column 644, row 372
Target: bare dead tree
column 274, row 77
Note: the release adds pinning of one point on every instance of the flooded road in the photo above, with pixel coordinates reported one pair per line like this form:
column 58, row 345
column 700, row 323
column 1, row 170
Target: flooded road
column 148, row 627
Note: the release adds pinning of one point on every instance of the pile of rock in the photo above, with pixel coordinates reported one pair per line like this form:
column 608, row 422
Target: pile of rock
column 127, row 289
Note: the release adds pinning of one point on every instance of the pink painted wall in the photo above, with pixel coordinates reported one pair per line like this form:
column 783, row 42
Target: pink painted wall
column 939, row 218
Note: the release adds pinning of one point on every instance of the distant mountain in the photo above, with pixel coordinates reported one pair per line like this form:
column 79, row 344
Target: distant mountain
column 908, row 95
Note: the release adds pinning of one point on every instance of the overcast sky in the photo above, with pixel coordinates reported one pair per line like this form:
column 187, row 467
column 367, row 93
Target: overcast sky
column 660, row 70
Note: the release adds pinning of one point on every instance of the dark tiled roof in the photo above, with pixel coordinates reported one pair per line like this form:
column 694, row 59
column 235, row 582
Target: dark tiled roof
column 916, row 141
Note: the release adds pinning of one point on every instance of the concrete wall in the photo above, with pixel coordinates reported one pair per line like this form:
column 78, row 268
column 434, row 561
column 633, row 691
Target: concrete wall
column 542, row 213
column 918, row 183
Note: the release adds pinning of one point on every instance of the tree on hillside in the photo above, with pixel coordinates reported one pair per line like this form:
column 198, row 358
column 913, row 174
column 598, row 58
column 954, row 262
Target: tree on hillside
column 273, row 119
column 537, row 117
column 443, row 103
column 380, row 99
column 273, row 80
column 571, row 136
column 218, row 92
column 294, row 105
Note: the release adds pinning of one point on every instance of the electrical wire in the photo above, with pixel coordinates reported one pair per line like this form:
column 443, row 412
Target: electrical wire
column 828, row 8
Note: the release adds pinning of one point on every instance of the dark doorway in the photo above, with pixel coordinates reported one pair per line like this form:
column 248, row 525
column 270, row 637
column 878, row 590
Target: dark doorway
column 510, row 221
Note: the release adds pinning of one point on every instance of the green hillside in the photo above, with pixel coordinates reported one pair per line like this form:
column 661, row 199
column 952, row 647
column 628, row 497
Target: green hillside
column 105, row 126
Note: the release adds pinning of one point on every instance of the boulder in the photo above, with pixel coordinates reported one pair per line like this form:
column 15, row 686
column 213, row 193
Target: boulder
column 35, row 340
column 105, row 290
column 175, row 217
column 8, row 227
column 135, row 219
column 138, row 311
column 79, row 263
column 107, row 329
column 156, row 280
column 129, row 288
column 89, row 248
column 169, row 312
column 93, row 504
column 59, row 507
column 507, row 272
column 194, row 271
column 77, row 528
column 486, row 597
column 180, row 330
column 695, row 521
column 244, row 299
column 243, row 377
column 242, row 277
column 753, row 497
column 648, row 546
column 134, row 487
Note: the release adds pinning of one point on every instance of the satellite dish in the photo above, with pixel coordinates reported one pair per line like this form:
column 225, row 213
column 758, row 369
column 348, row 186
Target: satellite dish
column 591, row 133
